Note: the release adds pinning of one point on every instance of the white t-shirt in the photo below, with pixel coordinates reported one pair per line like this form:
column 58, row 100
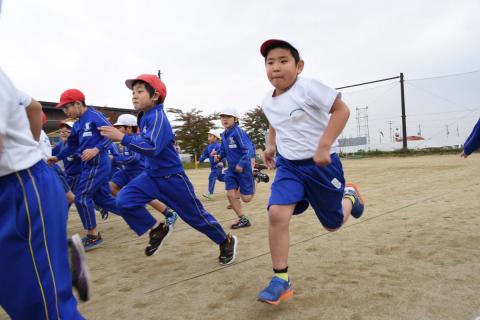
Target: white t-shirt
column 20, row 151
column 45, row 145
column 299, row 117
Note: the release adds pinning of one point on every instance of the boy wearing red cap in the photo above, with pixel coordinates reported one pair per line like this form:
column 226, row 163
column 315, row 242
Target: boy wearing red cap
column 85, row 139
column 305, row 117
column 164, row 177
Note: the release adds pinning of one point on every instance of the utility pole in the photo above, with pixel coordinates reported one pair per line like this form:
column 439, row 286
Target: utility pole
column 404, row 117
column 447, row 131
column 419, row 129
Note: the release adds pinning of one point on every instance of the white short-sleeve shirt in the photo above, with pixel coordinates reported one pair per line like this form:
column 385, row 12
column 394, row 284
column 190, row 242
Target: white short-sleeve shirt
column 20, row 151
column 300, row 116
column 45, row 145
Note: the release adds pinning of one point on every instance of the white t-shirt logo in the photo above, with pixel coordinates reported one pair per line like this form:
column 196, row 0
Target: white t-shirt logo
column 298, row 115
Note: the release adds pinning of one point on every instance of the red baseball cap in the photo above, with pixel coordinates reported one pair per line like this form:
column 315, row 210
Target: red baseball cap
column 152, row 80
column 69, row 96
column 274, row 42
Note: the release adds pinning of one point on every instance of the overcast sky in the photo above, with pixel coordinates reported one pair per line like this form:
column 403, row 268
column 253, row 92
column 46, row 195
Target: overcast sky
column 208, row 50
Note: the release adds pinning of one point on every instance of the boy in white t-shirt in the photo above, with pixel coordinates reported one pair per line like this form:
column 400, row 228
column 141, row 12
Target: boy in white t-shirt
column 305, row 117
column 34, row 264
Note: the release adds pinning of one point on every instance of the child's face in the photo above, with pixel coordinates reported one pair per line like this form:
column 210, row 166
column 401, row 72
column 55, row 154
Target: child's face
column 211, row 138
column 141, row 98
column 282, row 71
column 227, row 121
column 64, row 133
column 122, row 129
column 72, row 109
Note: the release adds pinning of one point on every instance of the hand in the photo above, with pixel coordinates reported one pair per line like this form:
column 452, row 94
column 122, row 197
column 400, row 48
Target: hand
column 269, row 157
column 89, row 154
column 213, row 153
column 111, row 133
column 463, row 155
column 110, row 157
column 238, row 168
column 216, row 158
column 52, row 160
column 322, row 156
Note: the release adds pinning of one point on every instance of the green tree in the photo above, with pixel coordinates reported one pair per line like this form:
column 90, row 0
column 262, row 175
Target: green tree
column 256, row 125
column 191, row 129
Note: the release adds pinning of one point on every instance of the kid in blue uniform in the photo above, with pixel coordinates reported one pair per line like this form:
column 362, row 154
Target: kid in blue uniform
column 215, row 169
column 473, row 141
column 71, row 165
column 133, row 164
column 86, row 140
column 164, row 177
column 35, row 278
column 305, row 118
column 236, row 147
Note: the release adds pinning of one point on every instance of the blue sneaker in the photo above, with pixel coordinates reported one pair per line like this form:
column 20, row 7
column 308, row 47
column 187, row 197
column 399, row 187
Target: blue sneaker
column 91, row 242
column 351, row 191
column 171, row 218
column 277, row 290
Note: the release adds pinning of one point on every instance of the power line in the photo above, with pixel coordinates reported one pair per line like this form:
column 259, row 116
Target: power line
column 445, row 76
column 439, row 97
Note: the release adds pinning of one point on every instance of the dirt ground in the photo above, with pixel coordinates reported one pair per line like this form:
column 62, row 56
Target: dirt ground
column 413, row 255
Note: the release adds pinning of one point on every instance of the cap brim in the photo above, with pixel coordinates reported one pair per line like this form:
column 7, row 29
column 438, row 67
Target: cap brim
column 59, row 105
column 273, row 42
column 129, row 83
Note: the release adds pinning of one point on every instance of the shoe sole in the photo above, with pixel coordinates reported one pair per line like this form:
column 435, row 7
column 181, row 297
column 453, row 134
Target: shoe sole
column 357, row 191
column 234, row 252
column 78, row 247
column 245, row 226
column 170, row 230
column 93, row 247
column 286, row 295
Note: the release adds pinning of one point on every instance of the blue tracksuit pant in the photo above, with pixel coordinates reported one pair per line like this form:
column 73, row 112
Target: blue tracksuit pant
column 175, row 191
column 35, row 278
column 93, row 188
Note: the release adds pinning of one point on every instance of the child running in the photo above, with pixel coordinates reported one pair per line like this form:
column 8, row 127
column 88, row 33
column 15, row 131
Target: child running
column 305, row 117
column 215, row 168
column 237, row 148
column 86, row 141
column 133, row 164
column 35, row 277
column 164, row 177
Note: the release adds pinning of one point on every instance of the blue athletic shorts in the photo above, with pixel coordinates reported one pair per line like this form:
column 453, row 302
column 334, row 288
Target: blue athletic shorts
column 302, row 182
column 243, row 180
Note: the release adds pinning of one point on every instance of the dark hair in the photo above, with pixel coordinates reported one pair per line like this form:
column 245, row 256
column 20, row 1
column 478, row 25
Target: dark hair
column 293, row 51
column 150, row 89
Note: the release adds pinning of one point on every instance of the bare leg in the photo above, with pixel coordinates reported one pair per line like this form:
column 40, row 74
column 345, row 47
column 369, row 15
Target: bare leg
column 70, row 197
column 278, row 234
column 114, row 189
column 158, row 205
column 234, row 202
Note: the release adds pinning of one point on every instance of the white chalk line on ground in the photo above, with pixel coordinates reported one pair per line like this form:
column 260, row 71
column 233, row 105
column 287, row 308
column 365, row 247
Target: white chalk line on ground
column 325, row 233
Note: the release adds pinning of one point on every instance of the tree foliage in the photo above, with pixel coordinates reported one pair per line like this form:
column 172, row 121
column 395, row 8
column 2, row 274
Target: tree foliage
column 191, row 129
column 256, row 125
